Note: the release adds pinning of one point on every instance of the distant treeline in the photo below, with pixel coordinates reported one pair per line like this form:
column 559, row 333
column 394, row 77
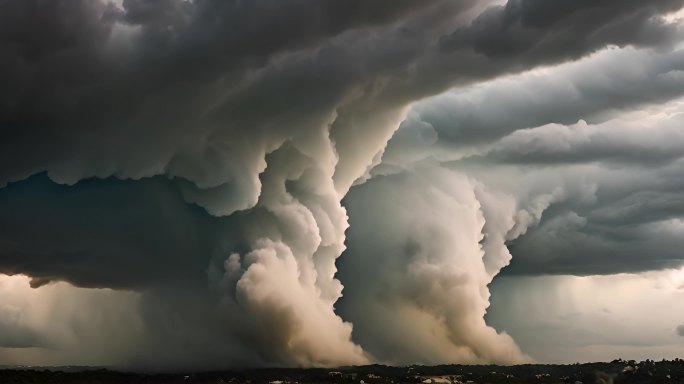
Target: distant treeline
column 616, row 371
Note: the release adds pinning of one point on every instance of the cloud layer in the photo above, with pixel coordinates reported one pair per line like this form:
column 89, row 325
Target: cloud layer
column 198, row 153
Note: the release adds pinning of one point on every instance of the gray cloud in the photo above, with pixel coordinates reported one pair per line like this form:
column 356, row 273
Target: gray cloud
column 602, row 217
column 596, row 197
column 629, row 218
column 594, row 89
column 539, row 31
column 680, row 330
column 620, row 142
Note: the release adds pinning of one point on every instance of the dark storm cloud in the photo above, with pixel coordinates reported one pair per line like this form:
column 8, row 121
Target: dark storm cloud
column 91, row 79
column 198, row 152
column 567, row 243
column 524, row 34
column 538, row 31
column 103, row 233
column 632, row 224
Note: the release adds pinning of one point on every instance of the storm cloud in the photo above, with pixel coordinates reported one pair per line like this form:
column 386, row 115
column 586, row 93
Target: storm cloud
column 201, row 158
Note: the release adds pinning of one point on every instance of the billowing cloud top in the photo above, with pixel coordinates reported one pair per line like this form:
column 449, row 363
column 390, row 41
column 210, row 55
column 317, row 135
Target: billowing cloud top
column 201, row 158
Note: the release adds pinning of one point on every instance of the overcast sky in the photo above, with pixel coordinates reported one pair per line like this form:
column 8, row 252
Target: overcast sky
column 221, row 183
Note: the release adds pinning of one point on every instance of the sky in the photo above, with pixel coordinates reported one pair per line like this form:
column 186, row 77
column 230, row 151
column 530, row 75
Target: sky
column 213, row 184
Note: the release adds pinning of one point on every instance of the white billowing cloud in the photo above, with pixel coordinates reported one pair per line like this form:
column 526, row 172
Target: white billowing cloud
column 285, row 286
column 418, row 265
column 275, row 293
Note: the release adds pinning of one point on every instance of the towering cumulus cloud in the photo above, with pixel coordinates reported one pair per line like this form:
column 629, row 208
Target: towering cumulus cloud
column 194, row 156
column 421, row 264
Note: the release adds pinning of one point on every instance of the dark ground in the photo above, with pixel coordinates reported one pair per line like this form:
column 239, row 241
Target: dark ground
column 617, row 371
